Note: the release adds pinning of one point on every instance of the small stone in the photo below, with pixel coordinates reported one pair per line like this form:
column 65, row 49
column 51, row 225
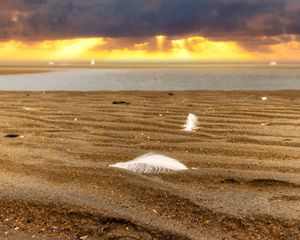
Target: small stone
column 83, row 237
column 121, row 102
column 54, row 228
column 12, row 136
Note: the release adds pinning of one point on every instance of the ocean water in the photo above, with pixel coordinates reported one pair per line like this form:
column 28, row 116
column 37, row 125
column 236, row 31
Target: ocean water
column 160, row 79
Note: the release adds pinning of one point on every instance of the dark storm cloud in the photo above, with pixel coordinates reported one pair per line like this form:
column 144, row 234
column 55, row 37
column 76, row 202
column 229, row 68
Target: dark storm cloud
column 56, row 19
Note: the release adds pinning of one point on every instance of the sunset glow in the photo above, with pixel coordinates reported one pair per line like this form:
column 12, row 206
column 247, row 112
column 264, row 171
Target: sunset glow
column 149, row 31
column 157, row 49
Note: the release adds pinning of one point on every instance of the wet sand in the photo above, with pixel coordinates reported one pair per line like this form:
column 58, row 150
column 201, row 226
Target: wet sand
column 14, row 70
column 243, row 180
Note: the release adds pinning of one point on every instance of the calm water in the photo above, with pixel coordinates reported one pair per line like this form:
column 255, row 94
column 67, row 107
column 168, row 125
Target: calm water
column 157, row 79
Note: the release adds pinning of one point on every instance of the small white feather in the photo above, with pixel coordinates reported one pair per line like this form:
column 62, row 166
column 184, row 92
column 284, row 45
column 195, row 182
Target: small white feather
column 28, row 109
column 264, row 98
column 151, row 163
column 191, row 123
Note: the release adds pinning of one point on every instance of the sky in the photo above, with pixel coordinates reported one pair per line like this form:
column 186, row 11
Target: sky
column 150, row 30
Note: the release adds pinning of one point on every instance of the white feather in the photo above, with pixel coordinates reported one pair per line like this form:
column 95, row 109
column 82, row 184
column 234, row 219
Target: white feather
column 191, row 123
column 151, row 163
column 264, row 98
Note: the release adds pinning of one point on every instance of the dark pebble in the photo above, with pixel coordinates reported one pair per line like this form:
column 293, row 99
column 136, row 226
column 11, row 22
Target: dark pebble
column 120, row 102
column 12, row 136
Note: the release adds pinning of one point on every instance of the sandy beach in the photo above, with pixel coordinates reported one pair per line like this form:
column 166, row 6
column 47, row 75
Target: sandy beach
column 243, row 180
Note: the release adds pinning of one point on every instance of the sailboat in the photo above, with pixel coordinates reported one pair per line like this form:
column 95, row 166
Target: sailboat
column 273, row 63
column 93, row 62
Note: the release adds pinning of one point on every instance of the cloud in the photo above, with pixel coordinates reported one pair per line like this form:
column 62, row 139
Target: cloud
column 223, row 19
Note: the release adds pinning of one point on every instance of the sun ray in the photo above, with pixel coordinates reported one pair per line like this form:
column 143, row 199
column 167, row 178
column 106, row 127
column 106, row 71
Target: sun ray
column 156, row 49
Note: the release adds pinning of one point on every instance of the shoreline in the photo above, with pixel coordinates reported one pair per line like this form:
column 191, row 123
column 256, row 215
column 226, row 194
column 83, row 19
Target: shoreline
column 61, row 66
column 17, row 71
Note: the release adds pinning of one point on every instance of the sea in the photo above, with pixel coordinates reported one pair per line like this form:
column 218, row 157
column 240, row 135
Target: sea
column 156, row 79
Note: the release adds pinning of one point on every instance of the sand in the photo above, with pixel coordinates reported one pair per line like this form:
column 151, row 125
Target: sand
column 27, row 70
column 243, row 180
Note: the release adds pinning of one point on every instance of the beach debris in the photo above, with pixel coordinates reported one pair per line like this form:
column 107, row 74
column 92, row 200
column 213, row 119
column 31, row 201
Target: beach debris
column 191, row 123
column 265, row 124
column 121, row 102
column 264, row 98
column 13, row 136
column 28, row 109
column 84, row 237
column 171, row 94
column 151, row 163
column 54, row 228
column 75, row 119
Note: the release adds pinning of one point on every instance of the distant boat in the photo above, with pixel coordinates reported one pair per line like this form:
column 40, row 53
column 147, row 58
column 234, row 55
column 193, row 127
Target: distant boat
column 51, row 63
column 93, row 62
column 273, row 63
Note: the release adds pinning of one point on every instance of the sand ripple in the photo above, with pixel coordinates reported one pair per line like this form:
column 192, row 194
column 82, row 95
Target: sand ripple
column 243, row 180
